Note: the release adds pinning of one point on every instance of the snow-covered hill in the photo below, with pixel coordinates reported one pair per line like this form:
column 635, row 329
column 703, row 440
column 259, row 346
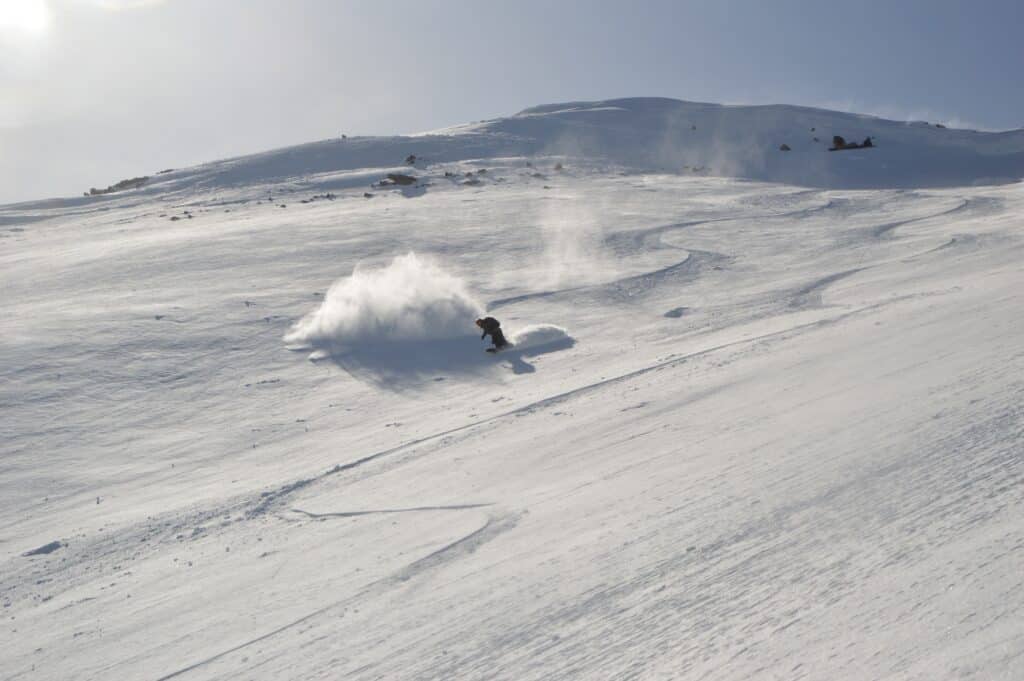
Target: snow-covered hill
column 649, row 134
column 683, row 137
column 746, row 429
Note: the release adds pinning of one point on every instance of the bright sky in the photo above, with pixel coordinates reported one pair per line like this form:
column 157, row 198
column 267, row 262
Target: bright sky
column 93, row 91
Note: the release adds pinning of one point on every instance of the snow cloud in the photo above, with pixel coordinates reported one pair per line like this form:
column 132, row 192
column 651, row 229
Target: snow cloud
column 411, row 299
column 573, row 238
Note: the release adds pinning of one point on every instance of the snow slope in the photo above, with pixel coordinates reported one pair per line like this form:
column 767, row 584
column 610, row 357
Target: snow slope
column 749, row 429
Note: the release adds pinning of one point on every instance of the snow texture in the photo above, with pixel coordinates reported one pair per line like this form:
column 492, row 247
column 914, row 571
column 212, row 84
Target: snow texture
column 777, row 432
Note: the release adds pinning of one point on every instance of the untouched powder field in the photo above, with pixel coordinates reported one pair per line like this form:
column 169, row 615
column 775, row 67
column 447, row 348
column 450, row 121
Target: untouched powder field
column 753, row 424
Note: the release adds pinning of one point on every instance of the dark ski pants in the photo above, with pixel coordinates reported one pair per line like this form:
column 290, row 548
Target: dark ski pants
column 498, row 338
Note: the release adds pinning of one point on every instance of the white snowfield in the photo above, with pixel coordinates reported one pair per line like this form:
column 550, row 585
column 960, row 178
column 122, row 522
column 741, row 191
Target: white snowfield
column 763, row 417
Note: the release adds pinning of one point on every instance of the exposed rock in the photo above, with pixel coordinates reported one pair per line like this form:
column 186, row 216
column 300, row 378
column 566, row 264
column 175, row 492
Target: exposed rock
column 839, row 144
column 131, row 183
column 317, row 197
column 398, row 178
column 784, row 147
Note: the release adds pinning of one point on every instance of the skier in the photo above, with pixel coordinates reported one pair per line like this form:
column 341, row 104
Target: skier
column 492, row 327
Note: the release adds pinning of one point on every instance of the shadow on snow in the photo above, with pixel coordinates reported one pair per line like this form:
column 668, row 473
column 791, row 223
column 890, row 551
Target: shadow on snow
column 400, row 365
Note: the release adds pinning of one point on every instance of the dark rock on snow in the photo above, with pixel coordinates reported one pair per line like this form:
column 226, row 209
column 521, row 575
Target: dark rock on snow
column 839, row 144
column 398, row 178
column 131, row 183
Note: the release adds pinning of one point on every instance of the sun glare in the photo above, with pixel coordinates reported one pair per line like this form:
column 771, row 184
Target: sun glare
column 25, row 16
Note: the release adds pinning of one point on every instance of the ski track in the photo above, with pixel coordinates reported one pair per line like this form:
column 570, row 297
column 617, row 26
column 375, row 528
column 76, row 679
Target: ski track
column 628, row 288
column 492, row 527
column 385, row 511
column 650, row 239
column 974, row 206
column 810, row 295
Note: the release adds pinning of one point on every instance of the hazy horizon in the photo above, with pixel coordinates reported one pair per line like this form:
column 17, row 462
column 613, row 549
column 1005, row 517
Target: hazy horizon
column 98, row 90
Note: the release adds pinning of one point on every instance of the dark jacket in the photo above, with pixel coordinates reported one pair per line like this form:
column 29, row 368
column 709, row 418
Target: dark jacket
column 489, row 326
column 492, row 327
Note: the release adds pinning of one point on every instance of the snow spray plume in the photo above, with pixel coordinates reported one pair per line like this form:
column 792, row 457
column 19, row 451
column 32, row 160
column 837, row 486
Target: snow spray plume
column 412, row 299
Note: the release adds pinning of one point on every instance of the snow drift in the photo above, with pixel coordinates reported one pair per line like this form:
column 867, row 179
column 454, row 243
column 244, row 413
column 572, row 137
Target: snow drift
column 539, row 338
column 410, row 300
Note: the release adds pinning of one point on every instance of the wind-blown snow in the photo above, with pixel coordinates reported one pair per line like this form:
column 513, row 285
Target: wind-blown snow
column 746, row 429
column 574, row 243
